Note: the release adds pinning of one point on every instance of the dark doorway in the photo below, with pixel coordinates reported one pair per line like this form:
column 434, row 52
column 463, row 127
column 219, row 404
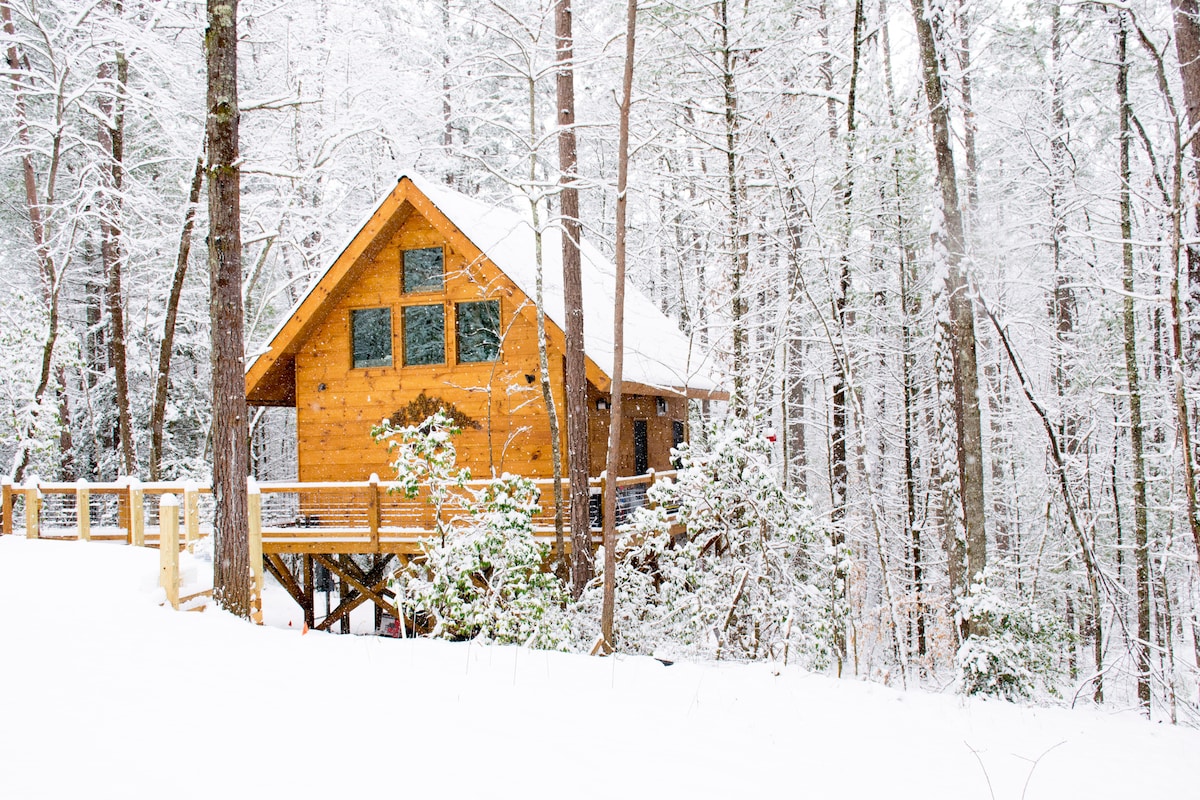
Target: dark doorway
column 641, row 455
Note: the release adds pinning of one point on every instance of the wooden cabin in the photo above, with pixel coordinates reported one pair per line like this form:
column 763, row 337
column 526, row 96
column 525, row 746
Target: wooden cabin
column 432, row 304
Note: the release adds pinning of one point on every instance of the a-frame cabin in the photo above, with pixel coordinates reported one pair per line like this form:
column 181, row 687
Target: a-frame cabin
column 431, row 303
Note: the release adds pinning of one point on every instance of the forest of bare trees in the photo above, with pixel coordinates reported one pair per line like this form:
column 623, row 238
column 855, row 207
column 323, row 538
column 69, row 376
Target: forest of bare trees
column 948, row 252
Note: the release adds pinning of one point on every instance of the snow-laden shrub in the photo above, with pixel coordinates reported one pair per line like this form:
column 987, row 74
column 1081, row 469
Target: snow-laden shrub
column 1014, row 646
column 486, row 579
column 744, row 582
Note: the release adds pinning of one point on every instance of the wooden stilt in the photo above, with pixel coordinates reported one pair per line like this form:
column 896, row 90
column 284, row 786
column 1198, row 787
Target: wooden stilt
column 310, row 592
column 343, row 592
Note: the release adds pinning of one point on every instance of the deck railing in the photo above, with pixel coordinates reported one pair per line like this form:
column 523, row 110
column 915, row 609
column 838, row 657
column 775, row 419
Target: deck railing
column 293, row 516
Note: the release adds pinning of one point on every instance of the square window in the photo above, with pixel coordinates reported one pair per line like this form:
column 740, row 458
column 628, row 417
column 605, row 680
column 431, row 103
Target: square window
column 478, row 331
column 371, row 335
column 424, row 335
column 423, row 270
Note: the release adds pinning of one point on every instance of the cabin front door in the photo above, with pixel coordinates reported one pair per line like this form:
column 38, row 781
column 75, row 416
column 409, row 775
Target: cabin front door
column 641, row 450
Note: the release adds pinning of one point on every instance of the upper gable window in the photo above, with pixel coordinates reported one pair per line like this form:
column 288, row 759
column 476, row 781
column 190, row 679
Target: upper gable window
column 478, row 333
column 371, row 335
column 424, row 270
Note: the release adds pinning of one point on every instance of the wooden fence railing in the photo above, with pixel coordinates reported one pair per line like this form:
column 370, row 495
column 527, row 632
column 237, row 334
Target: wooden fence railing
column 293, row 517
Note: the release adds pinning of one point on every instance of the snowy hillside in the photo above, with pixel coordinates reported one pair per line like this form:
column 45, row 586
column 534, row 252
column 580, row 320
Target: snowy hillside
column 108, row 695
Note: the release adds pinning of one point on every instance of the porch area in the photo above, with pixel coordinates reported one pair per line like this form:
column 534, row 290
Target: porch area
column 343, row 537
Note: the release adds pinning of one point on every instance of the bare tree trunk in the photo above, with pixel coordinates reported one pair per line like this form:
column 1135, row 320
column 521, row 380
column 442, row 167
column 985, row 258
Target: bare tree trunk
column 576, row 368
column 969, row 435
column 736, row 195
column 844, row 194
column 111, row 138
column 158, row 410
column 231, row 568
column 1141, row 536
column 614, row 430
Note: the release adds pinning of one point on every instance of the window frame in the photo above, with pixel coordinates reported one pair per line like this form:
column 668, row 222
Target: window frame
column 391, row 338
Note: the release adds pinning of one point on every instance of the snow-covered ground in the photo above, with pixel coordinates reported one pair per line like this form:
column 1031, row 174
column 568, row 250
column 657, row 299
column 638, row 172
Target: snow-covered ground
column 105, row 694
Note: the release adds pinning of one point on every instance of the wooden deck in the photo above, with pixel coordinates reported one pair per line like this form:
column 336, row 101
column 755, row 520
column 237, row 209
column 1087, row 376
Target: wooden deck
column 361, row 532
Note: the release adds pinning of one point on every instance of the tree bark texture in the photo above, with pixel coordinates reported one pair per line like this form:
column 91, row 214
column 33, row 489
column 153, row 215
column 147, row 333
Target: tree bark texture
column 231, row 568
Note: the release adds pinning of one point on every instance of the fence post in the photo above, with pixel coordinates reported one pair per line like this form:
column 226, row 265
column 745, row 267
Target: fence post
column 254, row 518
column 6, row 506
column 191, row 512
column 168, row 547
column 83, row 511
column 650, row 504
column 373, row 513
column 33, row 509
column 137, row 514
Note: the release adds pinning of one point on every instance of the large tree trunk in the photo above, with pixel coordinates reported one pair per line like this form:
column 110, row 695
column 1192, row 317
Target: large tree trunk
column 1187, row 49
column 614, row 429
column 158, row 410
column 950, row 238
column 576, row 367
column 231, row 568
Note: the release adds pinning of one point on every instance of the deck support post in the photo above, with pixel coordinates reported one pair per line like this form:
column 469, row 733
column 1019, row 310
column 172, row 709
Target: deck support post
column 254, row 519
column 137, row 513
column 168, row 548
column 6, row 506
column 33, row 510
column 83, row 511
column 191, row 512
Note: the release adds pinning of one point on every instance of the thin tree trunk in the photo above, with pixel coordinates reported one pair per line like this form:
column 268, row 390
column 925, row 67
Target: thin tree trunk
column 739, row 239
column 158, row 409
column 1141, row 536
column 614, row 429
column 231, row 568
column 576, row 358
column 111, row 138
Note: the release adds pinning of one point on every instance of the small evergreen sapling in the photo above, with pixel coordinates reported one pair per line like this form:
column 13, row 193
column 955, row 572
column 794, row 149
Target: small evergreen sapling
column 482, row 577
column 1015, row 648
column 425, row 456
column 486, row 579
column 743, row 583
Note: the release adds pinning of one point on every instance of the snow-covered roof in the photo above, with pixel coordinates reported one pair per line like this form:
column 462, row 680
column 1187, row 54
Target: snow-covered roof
column 657, row 353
